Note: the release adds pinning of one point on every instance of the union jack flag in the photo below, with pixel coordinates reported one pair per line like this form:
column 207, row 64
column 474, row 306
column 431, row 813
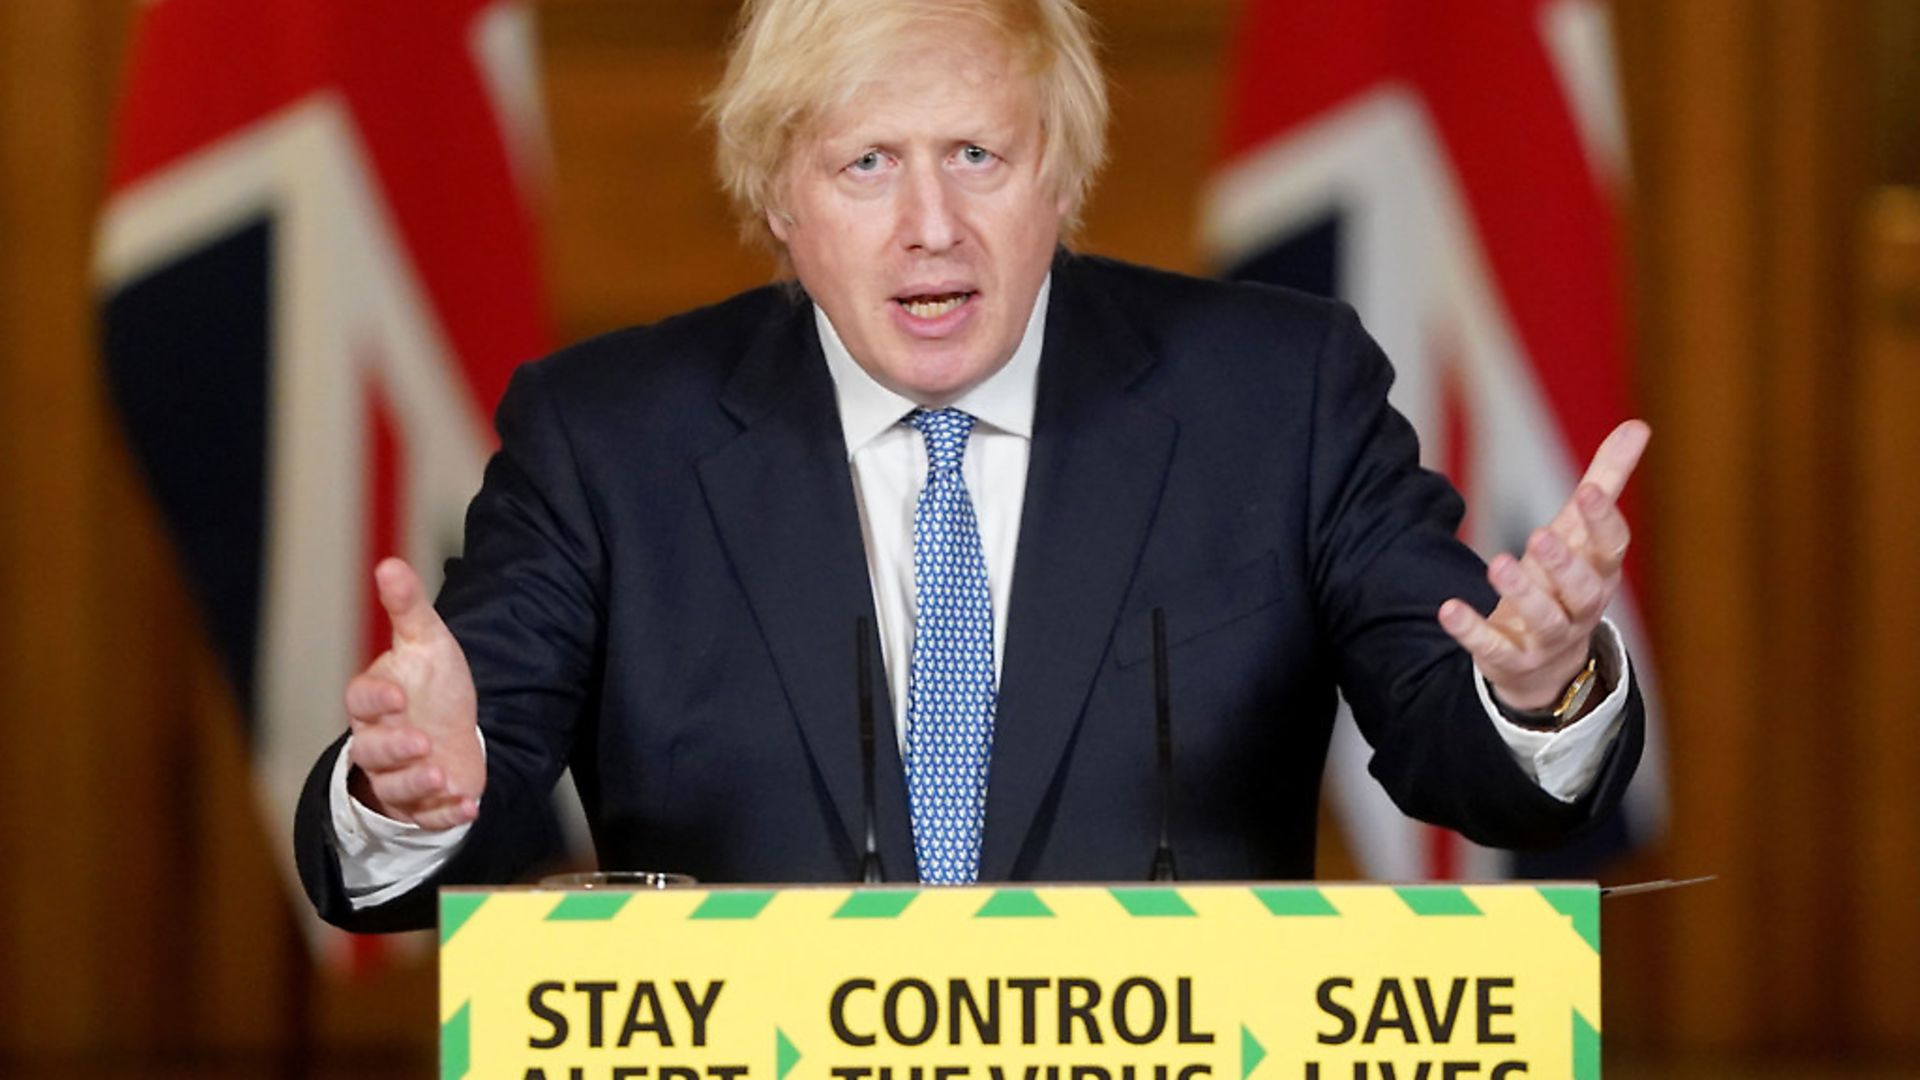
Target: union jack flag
column 1450, row 169
column 317, row 267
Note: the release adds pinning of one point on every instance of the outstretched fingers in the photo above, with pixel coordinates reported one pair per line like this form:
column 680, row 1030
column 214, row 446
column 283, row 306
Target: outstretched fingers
column 1578, row 586
column 415, row 751
column 404, row 781
column 1619, row 453
column 1538, row 636
column 1599, row 489
column 1530, row 611
column 1607, row 533
column 370, row 697
column 379, row 748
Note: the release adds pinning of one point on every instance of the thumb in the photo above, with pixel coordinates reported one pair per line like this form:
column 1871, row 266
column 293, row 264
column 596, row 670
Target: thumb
column 405, row 598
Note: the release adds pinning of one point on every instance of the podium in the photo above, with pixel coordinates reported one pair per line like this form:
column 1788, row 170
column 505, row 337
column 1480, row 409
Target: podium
column 1071, row 982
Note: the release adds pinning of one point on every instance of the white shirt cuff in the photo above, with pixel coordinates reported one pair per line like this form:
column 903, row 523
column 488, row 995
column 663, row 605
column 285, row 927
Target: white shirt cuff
column 1565, row 763
column 381, row 858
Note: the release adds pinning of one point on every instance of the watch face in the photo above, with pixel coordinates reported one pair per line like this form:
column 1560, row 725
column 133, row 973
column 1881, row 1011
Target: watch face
column 1576, row 696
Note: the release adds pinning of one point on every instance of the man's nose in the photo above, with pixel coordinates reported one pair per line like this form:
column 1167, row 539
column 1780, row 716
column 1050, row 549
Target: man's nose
column 928, row 211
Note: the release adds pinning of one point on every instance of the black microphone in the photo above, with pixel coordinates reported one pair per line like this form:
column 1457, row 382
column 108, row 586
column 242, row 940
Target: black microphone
column 863, row 664
column 1163, row 726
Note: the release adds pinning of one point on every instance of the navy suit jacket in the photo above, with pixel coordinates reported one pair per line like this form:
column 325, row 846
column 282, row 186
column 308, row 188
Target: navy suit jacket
column 664, row 569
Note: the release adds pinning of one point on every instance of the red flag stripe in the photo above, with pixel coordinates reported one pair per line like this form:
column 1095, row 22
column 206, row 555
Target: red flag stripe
column 1487, row 81
column 207, row 68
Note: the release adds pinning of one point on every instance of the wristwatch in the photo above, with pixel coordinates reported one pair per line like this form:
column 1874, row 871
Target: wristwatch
column 1564, row 712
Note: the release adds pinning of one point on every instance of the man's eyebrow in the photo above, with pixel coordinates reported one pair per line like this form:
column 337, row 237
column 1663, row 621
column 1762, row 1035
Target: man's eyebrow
column 854, row 138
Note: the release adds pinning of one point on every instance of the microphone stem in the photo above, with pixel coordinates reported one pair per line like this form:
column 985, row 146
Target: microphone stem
column 1163, row 866
column 863, row 665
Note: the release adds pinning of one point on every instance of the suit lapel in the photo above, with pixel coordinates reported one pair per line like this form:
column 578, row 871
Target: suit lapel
column 782, row 499
column 1098, row 464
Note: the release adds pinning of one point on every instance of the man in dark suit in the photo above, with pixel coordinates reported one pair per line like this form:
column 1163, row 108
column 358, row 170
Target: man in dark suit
column 1005, row 458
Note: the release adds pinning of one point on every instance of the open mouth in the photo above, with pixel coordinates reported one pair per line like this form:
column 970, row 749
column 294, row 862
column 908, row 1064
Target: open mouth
column 933, row 306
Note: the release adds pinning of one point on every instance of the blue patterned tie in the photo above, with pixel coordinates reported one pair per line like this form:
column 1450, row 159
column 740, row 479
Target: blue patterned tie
column 950, row 689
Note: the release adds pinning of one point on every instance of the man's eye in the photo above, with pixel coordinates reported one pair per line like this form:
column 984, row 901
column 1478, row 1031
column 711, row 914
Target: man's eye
column 976, row 155
column 866, row 162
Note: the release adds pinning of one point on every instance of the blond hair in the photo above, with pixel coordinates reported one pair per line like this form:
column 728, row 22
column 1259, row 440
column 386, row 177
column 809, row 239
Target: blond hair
column 792, row 60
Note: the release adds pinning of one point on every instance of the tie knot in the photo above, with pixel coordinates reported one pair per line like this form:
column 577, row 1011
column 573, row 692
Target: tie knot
column 946, row 431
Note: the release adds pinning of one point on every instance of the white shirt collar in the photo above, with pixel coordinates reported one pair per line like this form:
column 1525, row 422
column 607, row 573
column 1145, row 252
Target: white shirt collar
column 1004, row 401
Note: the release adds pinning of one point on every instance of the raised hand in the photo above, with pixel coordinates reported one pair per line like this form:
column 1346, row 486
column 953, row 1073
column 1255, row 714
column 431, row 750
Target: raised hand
column 416, row 749
column 1551, row 599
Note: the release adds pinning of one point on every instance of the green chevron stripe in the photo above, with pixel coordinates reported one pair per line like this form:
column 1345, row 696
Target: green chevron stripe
column 1152, row 903
column 785, row 1054
column 1014, row 904
column 588, row 906
column 1580, row 905
column 733, row 904
column 875, row 904
column 1251, row 1053
column 1437, row 900
column 456, row 1044
column 1586, row 1049
column 455, row 910
column 1294, row 901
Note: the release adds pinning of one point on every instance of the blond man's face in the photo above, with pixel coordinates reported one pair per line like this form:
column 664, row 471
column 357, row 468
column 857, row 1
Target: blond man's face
column 917, row 216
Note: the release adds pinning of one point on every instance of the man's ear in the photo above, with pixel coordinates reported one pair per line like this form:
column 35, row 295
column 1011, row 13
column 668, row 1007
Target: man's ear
column 778, row 224
column 1067, row 206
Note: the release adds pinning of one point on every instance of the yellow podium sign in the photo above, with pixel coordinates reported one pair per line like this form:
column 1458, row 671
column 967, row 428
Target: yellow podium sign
column 1200, row 982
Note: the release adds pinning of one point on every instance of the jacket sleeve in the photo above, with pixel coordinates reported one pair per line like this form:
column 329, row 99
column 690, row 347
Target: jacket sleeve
column 1384, row 558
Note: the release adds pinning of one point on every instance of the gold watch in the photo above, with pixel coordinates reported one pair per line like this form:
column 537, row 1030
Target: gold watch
column 1565, row 711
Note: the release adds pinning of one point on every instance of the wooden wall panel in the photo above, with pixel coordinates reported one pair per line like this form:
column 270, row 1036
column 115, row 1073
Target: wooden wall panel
column 1750, row 134
column 1810, row 171
column 639, row 229
column 1780, row 385
column 1705, row 574
column 153, row 763
column 1168, row 67
column 52, row 445
column 1884, row 812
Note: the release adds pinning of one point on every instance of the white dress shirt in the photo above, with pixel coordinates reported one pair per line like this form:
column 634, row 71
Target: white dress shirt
column 381, row 858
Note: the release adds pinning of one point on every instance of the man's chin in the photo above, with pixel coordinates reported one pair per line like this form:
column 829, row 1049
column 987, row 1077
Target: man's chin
column 934, row 372
column 940, row 387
